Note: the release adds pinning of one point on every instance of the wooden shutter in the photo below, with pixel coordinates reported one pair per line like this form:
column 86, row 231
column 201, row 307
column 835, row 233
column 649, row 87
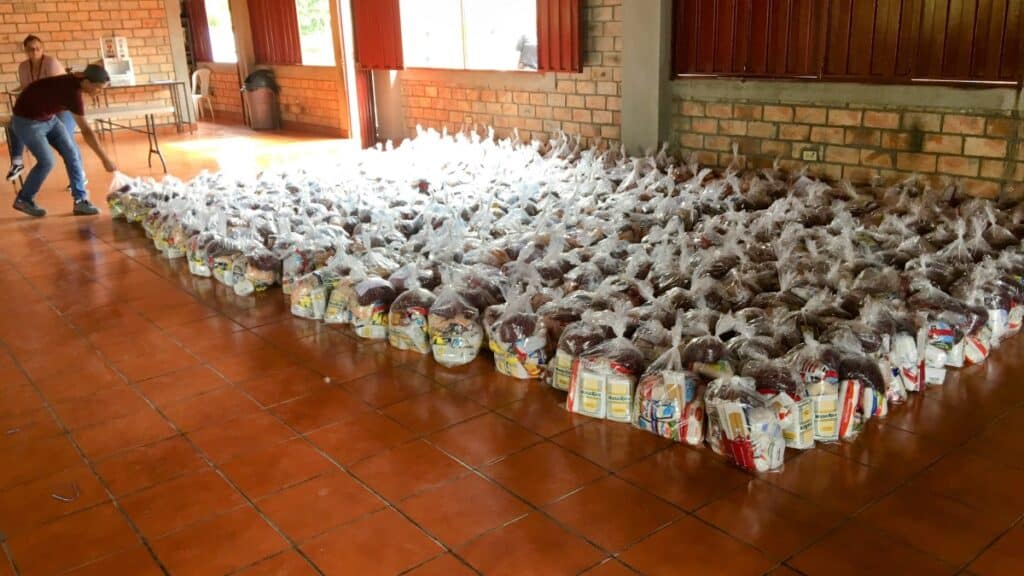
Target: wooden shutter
column 275, row 32
column 770, row 38
column 377, row 31
column 200, row 28
column 559, row 35
column 973, row 40
column 872, row 40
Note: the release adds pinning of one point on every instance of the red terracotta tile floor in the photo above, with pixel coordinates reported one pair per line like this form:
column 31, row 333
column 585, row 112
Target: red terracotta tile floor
column 155, row 423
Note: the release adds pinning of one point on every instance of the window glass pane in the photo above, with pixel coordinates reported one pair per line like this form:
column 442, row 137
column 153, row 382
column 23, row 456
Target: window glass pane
column 315, row 32
column 432, row 33
column 500, row 34
column 222, row 35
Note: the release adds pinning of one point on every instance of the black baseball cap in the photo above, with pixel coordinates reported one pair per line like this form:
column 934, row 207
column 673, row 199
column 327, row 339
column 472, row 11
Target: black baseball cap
column 96, row 74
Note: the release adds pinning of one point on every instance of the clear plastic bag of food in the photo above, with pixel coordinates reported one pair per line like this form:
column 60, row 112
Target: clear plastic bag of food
column 785, row 391
column 310, row 293
column 221, row 253
column 407, row 320
column 604, row 377
column 518, row 339
column 818, row 368
column 456, row 334
column 262, row 268
column 338, row 309
column 748, row 346
column 707, row 355
column 577, row 339
column 862, row 389
column 195, row 252
column 669, row 400
column 743, row 426
column 652, row 339
column 370, row 304
column 120, row 185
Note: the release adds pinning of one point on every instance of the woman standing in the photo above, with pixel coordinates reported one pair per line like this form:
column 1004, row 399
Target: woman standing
column 36, row 67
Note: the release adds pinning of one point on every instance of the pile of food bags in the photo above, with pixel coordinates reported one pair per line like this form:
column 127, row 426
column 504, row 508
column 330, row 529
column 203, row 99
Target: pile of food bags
column 752, row 310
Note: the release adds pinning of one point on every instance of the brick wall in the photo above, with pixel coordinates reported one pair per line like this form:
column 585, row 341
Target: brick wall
column 310, row 104
column 309, row 97
column 224, row 87
column 857, row 143
column 71, row 32
column 588, row 103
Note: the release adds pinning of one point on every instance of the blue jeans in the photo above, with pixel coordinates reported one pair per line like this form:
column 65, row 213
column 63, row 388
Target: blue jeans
column 17, row 147
column 38, row 136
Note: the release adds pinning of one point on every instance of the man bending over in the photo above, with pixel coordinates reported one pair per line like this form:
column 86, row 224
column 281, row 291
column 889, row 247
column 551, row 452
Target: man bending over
column 36, row 121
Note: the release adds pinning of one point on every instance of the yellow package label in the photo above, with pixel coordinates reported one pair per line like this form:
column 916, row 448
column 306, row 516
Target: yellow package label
column 593, row 394
column 826, row 418
column 799, row 433
column 563, row 370
column 620, row 398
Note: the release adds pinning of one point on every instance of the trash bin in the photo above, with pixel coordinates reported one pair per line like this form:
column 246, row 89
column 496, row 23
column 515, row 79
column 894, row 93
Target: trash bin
column 260, row 90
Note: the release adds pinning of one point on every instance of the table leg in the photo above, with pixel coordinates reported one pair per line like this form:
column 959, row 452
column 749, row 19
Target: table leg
column 154, row 144
column 193, row 120
column 177, row 106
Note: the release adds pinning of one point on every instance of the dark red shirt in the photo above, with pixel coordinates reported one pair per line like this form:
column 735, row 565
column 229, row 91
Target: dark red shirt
column 44, row 99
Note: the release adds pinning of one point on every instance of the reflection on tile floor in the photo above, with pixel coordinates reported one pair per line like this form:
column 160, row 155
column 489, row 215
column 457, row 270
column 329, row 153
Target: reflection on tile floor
column 156, row 423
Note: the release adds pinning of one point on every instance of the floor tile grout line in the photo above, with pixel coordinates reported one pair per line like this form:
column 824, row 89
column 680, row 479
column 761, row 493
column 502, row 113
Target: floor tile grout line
column 92, row 468
column 390, row 505
column 1017, row 524
column 852, row 517
column 253, row 503
column 10, row 557
column 212, row 464
column 132, row 384
column 223, row 475
column 424, row 437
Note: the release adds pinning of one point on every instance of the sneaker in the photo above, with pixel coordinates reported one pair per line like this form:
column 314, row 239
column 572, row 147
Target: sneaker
column 29, row 208
column 85, row 208
column 15, row 171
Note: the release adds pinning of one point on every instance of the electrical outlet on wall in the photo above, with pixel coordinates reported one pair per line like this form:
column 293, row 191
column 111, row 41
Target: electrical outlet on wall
column 809, row 155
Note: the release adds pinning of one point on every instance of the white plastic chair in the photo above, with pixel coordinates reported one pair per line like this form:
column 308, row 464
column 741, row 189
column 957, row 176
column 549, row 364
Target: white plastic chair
column 201, row 92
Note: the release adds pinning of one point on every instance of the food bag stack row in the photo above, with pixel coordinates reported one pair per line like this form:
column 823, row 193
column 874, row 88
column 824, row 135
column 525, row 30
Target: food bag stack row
column 753, row 311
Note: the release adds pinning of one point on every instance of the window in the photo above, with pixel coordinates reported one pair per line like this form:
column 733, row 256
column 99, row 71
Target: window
column 315, row 32
column 222, row 35
column 470, row 34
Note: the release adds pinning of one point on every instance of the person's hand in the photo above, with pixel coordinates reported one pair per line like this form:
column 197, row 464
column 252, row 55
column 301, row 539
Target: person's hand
column 109, row 165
